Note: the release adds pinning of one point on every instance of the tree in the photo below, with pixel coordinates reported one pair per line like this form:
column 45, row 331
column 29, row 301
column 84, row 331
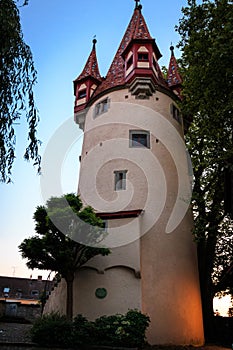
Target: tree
column 230, row 312
column 17, row 78
column 206, row 44
column 61, row 226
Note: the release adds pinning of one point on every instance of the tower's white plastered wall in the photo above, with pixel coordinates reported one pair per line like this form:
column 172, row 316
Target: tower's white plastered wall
column 169, row 286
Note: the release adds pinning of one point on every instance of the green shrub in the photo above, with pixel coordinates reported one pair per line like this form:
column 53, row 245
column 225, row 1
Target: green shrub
column 52, row 330
column 82, row 331
column 135, row 326
column 121, row 330
column 105, row 330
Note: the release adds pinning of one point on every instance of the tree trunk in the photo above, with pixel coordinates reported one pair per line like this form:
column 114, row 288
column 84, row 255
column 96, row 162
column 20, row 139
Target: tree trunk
column 208, row 314
column 69, row 297
column 205, row 261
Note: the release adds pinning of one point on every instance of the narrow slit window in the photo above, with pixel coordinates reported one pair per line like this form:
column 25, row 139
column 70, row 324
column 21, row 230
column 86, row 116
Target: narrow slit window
column 176, row 113
column 105, row 225
column 154, row 63
column 129, row 62
column 120, row 180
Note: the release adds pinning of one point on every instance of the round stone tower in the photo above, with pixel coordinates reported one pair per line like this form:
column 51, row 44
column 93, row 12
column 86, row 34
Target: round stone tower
column 135, row 173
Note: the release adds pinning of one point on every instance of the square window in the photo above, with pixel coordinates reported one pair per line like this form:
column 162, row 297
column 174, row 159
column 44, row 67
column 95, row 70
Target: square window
column 139, row 138
column 101, row 107
column 82, row 93
column 120, row 180
column 143, row 57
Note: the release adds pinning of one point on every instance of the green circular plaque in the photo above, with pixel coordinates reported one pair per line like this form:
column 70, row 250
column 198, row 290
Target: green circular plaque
column 100, row 293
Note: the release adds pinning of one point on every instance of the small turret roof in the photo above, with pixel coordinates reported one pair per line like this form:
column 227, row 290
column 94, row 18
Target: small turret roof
column 174, row 79
column 136, row 32
column 91, row 68
column 173, row 75
column 137, row 29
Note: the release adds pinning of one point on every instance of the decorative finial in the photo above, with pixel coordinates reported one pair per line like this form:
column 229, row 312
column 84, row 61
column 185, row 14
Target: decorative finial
column 137, row 3
column 172, row 50
column 94, row 41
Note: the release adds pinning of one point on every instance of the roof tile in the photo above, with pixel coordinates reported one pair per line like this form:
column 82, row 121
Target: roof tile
column 91, row 67
column 173, row 74
column 137, row 29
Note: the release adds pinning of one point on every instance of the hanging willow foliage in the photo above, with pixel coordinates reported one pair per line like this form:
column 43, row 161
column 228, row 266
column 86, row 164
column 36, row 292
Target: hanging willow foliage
column 17, row 78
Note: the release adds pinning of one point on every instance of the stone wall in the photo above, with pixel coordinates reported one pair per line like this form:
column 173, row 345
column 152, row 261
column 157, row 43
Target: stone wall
column 57, row 299
column 19, row 310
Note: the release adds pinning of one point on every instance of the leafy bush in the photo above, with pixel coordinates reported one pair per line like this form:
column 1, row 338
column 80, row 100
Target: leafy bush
column 106, row 330
column 52, row 330
column 82, row 331
column 135, row 328
column 116, row 330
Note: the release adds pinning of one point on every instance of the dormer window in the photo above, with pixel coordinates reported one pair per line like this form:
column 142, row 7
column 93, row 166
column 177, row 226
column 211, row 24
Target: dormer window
column 82, row 94
column 35, row 293
column 6, row 292
column 143, row 57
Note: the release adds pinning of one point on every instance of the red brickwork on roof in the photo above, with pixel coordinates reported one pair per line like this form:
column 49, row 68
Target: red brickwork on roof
column 137, row 29
column 91, row 68
column 174, row 77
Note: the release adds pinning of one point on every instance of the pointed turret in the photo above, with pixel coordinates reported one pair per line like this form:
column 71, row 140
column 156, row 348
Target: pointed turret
column 87, row 82
column 137, row 56
column 174, row 79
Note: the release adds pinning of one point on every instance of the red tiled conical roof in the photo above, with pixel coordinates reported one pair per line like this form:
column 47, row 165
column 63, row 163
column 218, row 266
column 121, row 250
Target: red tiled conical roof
column 174, row 79
column 137, row 29
column 91, row 67
column 173, row 75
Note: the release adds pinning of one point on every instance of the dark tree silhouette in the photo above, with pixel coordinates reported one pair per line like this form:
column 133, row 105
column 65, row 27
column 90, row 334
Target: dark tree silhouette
column 17, row 78
column 53, row 249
